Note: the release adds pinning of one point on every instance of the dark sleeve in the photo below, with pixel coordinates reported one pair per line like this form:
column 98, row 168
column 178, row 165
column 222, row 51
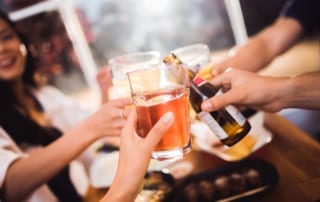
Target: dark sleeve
column 306, row 12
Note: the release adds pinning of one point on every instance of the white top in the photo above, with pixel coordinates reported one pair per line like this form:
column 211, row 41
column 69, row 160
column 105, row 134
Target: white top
column 64, row 113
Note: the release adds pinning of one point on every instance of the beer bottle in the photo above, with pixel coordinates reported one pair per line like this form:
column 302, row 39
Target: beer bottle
column 228, row 124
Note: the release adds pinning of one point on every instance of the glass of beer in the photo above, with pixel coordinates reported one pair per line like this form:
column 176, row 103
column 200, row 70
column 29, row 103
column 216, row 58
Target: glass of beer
column 121, row 65
column 155, row 91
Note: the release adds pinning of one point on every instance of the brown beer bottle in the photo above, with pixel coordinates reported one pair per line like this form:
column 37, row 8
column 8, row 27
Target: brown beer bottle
column 228, row 124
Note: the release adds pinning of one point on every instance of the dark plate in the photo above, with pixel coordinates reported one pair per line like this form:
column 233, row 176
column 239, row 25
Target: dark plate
column 238, row 181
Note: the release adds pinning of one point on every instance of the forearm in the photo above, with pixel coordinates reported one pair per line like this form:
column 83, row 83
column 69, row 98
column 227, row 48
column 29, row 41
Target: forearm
column 120, row 191
column 304, row 91
column 125, row 187
column 262, row 48
column 245, row 56
column 30, row 173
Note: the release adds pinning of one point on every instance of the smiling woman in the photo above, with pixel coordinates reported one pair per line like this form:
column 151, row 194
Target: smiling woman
column 13, row 53
column 36, row 129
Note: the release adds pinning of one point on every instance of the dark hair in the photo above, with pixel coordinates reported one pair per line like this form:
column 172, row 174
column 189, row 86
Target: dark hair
column 30, row 68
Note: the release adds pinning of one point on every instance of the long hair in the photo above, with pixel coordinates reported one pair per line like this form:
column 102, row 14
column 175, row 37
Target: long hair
column 10, row 103
column 25, row 130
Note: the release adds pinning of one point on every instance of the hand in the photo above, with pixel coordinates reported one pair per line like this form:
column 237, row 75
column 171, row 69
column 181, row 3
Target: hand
column 135, row 154
column 247, row 89
column 110, row 118
column 104, row 79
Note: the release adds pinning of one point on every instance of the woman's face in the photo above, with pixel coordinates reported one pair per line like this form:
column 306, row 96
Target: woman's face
column 12, row 53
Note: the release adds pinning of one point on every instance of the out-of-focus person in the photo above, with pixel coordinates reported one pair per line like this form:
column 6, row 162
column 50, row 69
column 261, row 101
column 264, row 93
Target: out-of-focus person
column 297, row 19
column 43, row 133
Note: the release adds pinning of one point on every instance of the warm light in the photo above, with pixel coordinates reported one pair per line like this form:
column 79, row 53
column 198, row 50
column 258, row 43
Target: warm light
column 156, row 7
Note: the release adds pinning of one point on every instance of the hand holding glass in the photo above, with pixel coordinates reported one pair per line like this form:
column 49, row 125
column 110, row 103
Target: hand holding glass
column 158, row 90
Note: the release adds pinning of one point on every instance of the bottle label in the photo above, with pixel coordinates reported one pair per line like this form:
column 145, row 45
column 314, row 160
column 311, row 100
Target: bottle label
column 234, row 112
column 213, row 125
column 198, row 80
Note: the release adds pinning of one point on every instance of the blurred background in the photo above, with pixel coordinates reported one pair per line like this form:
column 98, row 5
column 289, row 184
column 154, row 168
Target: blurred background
column 72, row 39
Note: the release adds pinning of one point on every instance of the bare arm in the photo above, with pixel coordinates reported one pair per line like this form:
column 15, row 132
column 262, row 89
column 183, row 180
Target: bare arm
column 135, row 154
column 262, row 48
column 30, row 173
column 305, row 91
column 266, row 93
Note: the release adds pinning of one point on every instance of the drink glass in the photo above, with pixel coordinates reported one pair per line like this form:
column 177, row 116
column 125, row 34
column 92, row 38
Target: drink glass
column 194, row 55
column 155, row 91
column 121, row 65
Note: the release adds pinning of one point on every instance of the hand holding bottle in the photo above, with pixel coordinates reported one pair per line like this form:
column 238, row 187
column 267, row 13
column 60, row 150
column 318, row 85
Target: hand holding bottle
column 246, row 89
column 227, row 123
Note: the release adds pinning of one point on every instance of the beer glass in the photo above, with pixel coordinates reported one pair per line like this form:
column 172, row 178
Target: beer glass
column 196, row 56
column 155, row 91
column 121, row 65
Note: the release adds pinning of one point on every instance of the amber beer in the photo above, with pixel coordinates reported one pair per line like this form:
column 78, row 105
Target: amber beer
column 157, row 90
column 152, row 106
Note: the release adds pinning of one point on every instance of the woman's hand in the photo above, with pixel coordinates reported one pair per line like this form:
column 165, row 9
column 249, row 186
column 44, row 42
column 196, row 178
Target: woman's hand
column 248, row 89
column 135, row 155
column 109, row 119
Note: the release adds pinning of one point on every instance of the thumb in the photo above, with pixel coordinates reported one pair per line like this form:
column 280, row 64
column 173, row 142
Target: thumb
column 219, row 101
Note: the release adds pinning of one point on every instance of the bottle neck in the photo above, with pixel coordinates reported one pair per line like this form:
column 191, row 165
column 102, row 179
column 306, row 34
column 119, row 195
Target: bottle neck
column 171, row 58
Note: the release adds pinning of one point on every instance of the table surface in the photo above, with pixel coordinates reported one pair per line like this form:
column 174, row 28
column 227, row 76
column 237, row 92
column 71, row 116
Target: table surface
column 294, row 154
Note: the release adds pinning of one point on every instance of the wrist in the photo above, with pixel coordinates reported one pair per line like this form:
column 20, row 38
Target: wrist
column 86, row 131
column 122, row 190
column 287, row 92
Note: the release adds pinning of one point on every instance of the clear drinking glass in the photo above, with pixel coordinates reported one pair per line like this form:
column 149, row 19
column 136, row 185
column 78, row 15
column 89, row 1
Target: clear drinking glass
column 155, row 91
column 121, row 65
column 196, row 56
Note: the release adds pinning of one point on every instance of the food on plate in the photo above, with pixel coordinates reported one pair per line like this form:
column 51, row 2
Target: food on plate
column 238, row 183
column 222, row 185
column 253, row 177
column 206, row 190
column 191, row 192
column 232, row 182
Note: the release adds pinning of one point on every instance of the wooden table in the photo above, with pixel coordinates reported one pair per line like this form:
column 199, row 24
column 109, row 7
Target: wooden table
column 295, row 155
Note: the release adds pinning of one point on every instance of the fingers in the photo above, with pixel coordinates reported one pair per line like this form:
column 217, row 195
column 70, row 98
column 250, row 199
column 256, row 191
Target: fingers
column 219, row 101
column 159, row 129
column 223, row 79
column 121, row 102
column 130, row 124
column 124, row 113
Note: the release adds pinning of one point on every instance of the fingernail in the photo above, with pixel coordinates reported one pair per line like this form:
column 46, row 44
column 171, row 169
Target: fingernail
column 168, row 118
column 206, row 106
